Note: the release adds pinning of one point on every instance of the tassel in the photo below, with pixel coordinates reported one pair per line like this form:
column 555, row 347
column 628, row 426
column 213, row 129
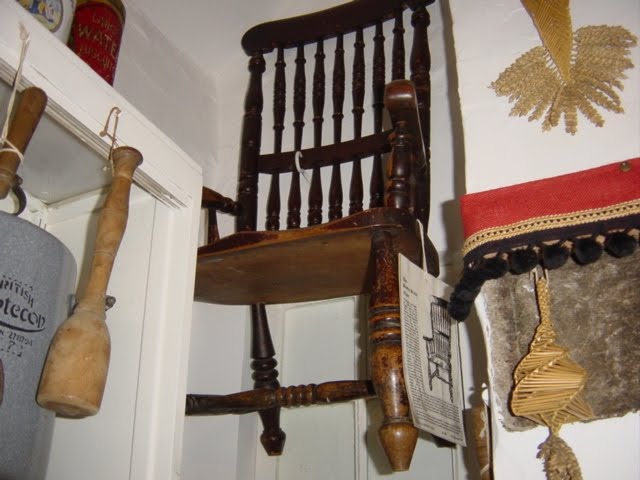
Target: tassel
column 554, row 255
column 619, row 244
column 522, row 260
column 587, row 250
column 560, row 463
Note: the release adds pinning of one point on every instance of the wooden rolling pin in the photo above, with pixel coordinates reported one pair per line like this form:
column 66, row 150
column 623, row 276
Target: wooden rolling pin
column 75, row 372
column 26, row 116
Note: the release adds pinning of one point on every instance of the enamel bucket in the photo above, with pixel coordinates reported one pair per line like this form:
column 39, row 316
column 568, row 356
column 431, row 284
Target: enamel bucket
column 37, row 279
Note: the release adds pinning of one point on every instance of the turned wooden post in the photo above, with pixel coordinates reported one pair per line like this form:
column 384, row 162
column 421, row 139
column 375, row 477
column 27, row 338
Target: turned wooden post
column 250, row 146
column 265, row 375
column 420, row 65
column 397, row 434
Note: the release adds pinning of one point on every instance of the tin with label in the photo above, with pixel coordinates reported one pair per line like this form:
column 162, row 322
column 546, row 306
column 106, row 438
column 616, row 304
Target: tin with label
column 96, row 33
column 37, row 279
column 55, row 15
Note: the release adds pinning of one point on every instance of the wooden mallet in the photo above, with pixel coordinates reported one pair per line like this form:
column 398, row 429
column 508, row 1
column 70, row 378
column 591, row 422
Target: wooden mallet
column 75, row 372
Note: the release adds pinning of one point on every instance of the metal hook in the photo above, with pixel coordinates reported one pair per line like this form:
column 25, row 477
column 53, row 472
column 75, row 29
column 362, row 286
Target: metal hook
column 112, row 136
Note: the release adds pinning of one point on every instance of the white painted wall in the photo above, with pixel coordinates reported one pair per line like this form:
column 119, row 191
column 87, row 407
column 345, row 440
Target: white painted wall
column 502, row 150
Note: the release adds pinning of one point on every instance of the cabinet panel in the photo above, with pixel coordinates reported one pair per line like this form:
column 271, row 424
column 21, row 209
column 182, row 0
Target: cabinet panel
column 100, row 447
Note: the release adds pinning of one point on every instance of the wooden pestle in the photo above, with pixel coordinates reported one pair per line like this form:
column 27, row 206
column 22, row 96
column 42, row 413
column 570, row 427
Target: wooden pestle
column 29, row 109
column 75, row 372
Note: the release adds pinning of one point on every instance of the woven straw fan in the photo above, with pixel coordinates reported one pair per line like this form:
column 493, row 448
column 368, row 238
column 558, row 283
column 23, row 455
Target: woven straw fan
column 572, row 72
column 548, row 390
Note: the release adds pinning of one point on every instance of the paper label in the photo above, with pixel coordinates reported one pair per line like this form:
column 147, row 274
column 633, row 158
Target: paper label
column 431, row 353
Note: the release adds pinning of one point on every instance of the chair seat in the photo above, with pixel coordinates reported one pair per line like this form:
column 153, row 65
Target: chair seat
column 289, row 266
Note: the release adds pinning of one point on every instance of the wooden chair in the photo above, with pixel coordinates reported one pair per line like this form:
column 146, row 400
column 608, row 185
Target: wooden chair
column 348, row 255
column 439, row 345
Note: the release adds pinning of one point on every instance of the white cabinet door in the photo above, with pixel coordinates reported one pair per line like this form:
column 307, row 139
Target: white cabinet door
column 99, row 447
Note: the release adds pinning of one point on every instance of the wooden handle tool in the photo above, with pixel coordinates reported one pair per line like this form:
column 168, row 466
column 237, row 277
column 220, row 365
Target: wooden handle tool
column 75, row 372
column 27, row 114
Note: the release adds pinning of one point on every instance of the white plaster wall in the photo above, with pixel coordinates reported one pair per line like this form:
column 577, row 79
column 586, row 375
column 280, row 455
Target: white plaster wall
column 502, row 150
column 167, row 86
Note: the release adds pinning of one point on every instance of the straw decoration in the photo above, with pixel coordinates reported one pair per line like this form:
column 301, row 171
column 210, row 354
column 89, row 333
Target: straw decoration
column 572, row 72
column 552, row 19
column 548, row 390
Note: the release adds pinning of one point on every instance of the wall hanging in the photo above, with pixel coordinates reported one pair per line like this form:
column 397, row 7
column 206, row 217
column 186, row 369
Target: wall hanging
column 583, row 227
column 573, row 71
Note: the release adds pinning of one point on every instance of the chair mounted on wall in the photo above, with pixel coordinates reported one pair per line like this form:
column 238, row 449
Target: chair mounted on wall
column 349, row 254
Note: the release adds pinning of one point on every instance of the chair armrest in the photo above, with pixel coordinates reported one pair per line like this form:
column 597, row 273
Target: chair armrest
column 401, row 101
column 213, row 200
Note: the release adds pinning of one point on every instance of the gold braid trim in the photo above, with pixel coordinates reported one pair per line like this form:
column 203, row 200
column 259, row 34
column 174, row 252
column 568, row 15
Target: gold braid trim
column 548, row 222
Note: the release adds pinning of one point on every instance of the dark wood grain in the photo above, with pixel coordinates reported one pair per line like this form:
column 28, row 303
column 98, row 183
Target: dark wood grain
column 399, row 170
column 420, row 76
column 250, row 146
column 397, row 434
column 286, row 397
column 376, row 184
column 335, row 188
column 315, row 191
column 335, row 192
column 299, row 103
column 397, row 52
column 357, row 93
column 326, row 155
column 420, row 64
column 247, row 267
column 214, row 202
column 213, row 199
column 265, row 376
column 324, row 24
column 338, row 89
column 279, row 109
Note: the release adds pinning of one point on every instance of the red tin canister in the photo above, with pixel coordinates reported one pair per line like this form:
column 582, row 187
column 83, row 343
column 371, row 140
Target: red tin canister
column 96, row 33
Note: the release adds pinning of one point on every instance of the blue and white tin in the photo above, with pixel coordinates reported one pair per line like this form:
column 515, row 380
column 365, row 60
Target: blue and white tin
column 55, row 15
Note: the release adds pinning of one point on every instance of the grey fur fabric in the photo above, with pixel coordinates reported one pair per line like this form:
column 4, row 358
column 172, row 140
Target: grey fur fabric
column 596, row 314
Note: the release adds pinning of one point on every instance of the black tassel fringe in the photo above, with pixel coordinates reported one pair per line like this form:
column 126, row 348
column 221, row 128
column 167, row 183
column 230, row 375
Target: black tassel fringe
column 584, row 250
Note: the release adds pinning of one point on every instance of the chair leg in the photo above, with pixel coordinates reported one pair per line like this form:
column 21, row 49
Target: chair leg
column 265, row 375
column 397, row 434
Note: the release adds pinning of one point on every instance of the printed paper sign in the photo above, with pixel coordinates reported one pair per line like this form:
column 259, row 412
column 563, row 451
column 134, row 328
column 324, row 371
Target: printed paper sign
column 431, row 354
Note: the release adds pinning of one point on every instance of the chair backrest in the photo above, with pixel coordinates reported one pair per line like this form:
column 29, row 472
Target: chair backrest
column 271, row 40
column 440, row 320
